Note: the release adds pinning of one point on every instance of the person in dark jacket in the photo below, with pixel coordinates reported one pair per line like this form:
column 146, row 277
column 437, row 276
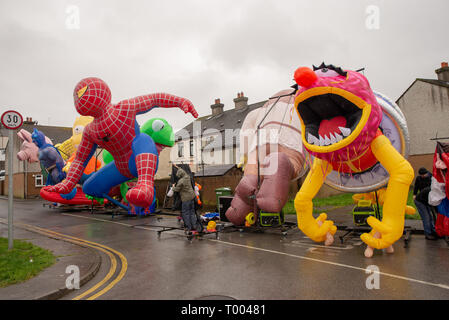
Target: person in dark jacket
column 187, row 194
column 423, row 180
column 421, row 198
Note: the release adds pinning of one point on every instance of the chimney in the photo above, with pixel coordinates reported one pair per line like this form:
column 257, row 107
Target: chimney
column 29, row 120
column 443, row 72
column 241, row 101
column 217, row 108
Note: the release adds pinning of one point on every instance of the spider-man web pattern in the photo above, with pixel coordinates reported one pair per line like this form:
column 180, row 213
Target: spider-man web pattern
column 115, row 129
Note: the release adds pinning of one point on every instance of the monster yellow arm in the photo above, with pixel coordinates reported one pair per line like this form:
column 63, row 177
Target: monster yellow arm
column 315, row 229
column 401, row 176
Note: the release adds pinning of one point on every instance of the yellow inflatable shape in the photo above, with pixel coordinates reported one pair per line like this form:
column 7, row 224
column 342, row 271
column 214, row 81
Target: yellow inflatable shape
column 409, row 210
column 69, row 147
column 250, row 219
column 211, row 226
column 395, row 199
column 66, row 149
column 316, row 229
column 370, row 196
column 385, row 232
column 242, row 163
column 78, row 128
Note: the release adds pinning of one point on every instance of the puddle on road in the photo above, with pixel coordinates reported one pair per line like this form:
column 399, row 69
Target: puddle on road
column 332, row 250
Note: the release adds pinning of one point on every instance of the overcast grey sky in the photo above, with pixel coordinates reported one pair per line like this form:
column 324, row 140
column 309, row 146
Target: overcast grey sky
column 207, row 49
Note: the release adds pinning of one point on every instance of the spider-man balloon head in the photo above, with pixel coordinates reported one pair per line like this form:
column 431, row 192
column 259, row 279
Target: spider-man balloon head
column 91, row 96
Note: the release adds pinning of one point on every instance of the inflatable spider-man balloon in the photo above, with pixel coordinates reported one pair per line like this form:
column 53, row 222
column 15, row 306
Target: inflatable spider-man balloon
column 115, row 129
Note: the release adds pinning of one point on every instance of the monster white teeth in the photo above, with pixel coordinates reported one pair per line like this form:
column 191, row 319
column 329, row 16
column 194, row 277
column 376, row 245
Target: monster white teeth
column 332, row 138
column 327, row 141
column 338, row 137
column 345, row 131
column 312, row 139
column 321, row 141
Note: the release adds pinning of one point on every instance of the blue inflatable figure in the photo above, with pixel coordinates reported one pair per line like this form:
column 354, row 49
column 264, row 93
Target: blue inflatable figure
column 49, row 157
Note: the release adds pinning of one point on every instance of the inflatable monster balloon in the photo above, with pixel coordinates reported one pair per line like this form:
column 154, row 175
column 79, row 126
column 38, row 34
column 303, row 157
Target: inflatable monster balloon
column 49, row 157
column 439, row 191
column 69, row 147
column 28, row 150
column 270, row 133
column 341, row 122
column 163, row 136
column 115, row 129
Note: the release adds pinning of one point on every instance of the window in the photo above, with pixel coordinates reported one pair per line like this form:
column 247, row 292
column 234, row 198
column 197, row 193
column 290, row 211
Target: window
column 191, row 148
column 180, row 149
column 38, row 180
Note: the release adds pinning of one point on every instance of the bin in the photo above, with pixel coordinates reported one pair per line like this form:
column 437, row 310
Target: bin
column 220, row 192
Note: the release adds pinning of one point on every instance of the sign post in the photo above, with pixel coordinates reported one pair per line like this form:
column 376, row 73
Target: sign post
column 11, row 120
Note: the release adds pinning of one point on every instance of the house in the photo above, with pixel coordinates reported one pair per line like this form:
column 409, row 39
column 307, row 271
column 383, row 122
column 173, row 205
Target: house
column 425, row 105
column 210, row 145
column 28, row 178
column 213, row 140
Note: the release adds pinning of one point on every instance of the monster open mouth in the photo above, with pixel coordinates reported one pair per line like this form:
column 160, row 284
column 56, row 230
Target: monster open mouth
column 328, row 118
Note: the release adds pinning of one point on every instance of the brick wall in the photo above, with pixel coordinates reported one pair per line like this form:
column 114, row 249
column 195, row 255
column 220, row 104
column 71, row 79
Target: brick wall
column 19, row 186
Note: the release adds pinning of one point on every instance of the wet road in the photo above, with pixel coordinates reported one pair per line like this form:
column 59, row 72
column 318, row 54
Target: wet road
column 244, row 265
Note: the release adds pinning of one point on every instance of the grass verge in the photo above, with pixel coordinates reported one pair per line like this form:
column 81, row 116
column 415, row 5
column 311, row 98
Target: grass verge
column 342, row 200
column 23, row 262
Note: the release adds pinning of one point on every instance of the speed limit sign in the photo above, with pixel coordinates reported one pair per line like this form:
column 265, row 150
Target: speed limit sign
column 12, row 119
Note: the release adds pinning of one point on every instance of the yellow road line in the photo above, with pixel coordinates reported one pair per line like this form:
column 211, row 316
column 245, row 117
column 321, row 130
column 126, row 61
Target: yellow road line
column 440, row 285
column 106, row 278
column 107, row 250
column 123, row 260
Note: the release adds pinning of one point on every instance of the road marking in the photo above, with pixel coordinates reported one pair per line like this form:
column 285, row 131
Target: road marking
column 123, row 260
column 121, row 223
column 307, row 244
column 439, row 285
column 107, row 250
column 106, row 278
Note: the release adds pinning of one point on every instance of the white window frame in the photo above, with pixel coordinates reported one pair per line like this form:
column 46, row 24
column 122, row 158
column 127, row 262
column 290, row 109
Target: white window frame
column 39, row 177
column 181, row 149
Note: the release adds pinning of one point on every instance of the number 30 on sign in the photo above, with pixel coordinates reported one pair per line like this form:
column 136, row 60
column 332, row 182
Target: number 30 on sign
column 12, row 119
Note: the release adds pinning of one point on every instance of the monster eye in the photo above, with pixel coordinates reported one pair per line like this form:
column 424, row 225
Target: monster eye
column 78, row 130
column 158, row 125
column 325, row 72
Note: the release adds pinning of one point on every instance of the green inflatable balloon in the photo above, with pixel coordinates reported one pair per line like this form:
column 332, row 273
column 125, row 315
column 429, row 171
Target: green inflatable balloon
column 158, row 129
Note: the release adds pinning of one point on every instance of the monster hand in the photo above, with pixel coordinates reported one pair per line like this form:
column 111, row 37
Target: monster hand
column 188, row 107
column 63, row 187
column 319, row 229
column 383, row 234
